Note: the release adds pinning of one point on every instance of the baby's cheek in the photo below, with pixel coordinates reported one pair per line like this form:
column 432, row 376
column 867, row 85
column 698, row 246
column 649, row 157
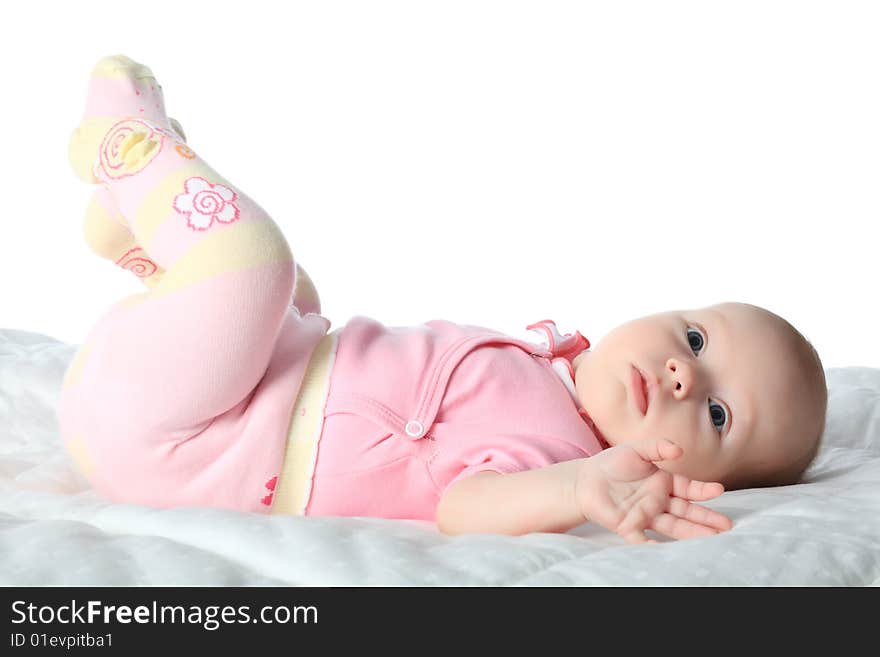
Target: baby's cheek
column 700, row 465
column 605, row 410
column 684, row 465
column 664, row 425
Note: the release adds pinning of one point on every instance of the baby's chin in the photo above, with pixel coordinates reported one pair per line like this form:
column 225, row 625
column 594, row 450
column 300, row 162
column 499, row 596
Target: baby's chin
column 603, row 441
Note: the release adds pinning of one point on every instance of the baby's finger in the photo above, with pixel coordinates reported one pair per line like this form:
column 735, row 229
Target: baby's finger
column 636, row 537
column 699, row 514
column 680, row 528
column 657, row 450
column 641, row 515
column 693, row 489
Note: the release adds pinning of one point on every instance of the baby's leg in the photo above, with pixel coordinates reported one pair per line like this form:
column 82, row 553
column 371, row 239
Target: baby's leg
column 163, row 364
column 108, row 235
column 106, row 231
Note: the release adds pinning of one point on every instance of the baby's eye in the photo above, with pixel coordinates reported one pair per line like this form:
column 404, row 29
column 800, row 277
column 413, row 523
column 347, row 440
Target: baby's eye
column 718, row 415
column 695, row 339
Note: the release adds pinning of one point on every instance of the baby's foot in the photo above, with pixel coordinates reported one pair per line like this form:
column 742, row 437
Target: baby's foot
column 124, row 124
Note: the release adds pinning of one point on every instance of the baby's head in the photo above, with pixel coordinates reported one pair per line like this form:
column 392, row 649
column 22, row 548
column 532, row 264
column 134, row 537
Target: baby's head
column 736, row 386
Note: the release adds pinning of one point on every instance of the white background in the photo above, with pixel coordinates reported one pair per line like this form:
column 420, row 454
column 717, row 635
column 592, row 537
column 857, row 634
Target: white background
column 493, row 163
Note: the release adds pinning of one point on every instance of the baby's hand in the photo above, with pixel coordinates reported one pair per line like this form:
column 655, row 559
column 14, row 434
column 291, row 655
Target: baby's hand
column 622, row 490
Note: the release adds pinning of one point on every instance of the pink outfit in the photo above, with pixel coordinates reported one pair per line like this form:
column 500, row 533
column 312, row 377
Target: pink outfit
column 410, row 411
column 185, row 399
column 413, row 410
column 183, row 395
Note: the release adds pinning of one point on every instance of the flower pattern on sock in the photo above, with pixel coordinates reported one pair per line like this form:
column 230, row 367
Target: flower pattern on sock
column 185, row 151
column 111, row 159
column 135, row 261
column 203, row 203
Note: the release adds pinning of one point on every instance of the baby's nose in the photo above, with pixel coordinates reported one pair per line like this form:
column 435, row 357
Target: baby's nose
column 682, row 377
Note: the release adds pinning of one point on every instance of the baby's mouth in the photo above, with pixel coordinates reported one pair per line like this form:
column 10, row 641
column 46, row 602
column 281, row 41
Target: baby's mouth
column 639, row 389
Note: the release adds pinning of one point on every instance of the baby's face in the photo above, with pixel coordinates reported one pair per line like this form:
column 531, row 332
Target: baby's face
column 713, row 380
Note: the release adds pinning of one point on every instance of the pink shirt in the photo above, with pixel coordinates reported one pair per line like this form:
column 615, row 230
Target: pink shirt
column 412, row 410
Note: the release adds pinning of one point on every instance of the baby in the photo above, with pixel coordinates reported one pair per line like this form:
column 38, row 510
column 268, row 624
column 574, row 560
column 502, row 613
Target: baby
column 221, row 385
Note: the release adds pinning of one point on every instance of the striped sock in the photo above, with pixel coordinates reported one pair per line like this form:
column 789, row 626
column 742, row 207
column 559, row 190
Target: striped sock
column 125, row 110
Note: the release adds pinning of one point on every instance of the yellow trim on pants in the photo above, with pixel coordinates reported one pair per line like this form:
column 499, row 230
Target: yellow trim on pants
column 294, row 486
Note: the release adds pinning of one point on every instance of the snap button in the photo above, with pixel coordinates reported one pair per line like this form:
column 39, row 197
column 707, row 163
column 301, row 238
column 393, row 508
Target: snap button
column 414, row 429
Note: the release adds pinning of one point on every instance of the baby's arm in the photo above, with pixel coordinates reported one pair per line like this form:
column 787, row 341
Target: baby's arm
column 621, row 488
column 542, row 500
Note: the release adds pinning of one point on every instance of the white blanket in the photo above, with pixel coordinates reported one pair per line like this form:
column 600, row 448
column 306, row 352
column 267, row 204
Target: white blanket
column 54, row 530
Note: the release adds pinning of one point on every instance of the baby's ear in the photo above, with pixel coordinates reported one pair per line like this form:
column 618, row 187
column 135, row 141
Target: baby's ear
column 177, row 128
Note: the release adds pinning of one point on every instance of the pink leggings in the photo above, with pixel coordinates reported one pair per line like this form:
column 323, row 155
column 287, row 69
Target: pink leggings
column 181, row 395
